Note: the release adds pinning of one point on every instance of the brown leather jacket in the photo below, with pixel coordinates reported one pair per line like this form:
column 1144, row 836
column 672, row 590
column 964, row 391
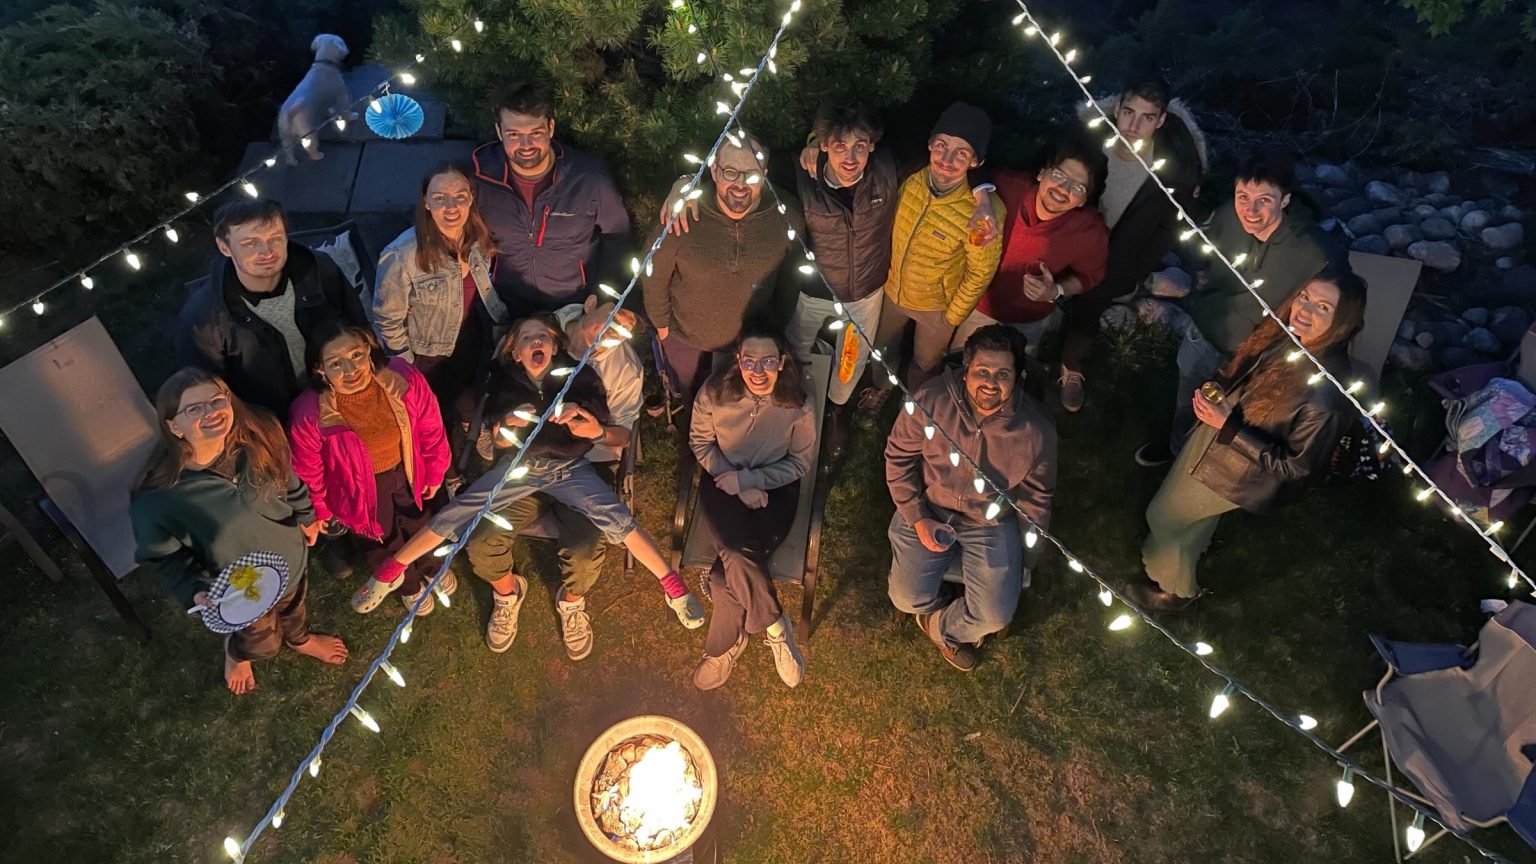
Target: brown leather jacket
column 1255, row 464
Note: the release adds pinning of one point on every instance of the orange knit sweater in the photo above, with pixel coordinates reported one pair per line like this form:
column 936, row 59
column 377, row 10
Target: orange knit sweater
column 369, row 415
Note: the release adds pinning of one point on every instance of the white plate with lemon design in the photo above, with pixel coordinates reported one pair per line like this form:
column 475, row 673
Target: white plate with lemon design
column 246, row 590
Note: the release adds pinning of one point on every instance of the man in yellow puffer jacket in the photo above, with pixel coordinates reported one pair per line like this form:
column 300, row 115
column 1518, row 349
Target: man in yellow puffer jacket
column 937, row 274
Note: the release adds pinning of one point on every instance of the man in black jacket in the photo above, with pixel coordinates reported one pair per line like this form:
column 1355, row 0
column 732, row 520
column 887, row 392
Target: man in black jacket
column 250, row 319
column 1143, row 223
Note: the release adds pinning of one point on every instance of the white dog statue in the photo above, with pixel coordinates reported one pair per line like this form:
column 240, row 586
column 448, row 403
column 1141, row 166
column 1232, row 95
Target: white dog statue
column 319, row 98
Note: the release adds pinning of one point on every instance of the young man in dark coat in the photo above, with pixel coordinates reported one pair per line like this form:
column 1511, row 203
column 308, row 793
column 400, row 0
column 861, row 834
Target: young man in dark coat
column 249, row 321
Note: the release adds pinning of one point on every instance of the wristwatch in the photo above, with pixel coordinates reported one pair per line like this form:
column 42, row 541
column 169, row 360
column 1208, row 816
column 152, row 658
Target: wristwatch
column 1060, row 292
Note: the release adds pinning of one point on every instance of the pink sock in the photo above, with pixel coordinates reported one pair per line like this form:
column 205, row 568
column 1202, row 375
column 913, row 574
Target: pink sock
column 389, row 571
column 673, row 584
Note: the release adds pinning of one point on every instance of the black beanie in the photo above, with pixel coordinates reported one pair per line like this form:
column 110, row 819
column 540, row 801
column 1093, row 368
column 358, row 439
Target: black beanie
column 966, row 121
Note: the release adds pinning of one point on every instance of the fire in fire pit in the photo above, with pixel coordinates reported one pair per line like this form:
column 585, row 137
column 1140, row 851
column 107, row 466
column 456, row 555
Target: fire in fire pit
column 645, row 790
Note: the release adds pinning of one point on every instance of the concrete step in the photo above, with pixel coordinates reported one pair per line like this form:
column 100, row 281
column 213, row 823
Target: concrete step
column 363, row 80
column 323, row 186
column 389, row 174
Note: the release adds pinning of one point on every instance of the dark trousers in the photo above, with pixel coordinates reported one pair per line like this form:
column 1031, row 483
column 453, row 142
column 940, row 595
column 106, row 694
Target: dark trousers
column 453, row 380
column 1082, row 324
column 400, row 519
column 741, row 584
column 690, row 367
column 286, row 623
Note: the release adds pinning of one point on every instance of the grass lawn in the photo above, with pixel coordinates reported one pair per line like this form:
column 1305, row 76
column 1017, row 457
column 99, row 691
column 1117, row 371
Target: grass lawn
column 1067, row 744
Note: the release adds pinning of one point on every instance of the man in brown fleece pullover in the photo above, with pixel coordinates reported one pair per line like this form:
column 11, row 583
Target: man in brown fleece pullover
column 940, row 513
column 734, row 263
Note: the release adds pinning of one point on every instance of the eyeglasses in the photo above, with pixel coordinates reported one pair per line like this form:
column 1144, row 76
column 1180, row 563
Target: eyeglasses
column 199, row 410
column 755, row 364
column 731, row 175
column 1060, row 178
column 440, row 201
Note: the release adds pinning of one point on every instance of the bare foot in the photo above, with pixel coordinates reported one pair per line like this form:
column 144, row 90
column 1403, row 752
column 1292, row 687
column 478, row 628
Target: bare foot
column 326, row 649
column 238, row 675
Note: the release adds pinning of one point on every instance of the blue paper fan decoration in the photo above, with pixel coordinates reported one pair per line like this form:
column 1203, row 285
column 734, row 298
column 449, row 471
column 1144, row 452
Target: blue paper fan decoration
column 395, row 116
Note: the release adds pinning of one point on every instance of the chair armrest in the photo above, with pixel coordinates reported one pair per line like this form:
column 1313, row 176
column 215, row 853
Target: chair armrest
column 1522, row 814
column 687, row 467
column 1412, row 658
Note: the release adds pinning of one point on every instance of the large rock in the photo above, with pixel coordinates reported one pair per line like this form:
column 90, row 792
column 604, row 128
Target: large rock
column 1406, row 355
column 1438, row 182
column 1365, row 223
column 1171, row 284
column 1504, row 238
column 1352, row 207
column 1386, row 193
column 1373, row 244
column 1425, row 211
column 1440, row 199
column 1332, row 175
column 1425, row 339
column 1509, row 323
column 1482, row 339
column 1454, row 212
column 1448, row 332
column 1475, row 220
column 1406, row 328
column 1506, row 262
column 1443, row 257
column 1455, row 357
column 1477, row 316
column 1437, row 228
column 1511, row 213
column 1400, row 237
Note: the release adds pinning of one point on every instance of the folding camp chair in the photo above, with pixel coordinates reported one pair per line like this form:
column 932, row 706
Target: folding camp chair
column 1389, row 285
column 797, row 558
column 1460, row 723
column 82, row 424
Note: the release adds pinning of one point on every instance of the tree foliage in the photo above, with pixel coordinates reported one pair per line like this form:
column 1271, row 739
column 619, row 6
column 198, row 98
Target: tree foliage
column 1443, row 15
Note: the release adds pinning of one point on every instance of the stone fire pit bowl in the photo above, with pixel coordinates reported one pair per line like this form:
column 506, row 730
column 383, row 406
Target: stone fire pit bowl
column 649, row 727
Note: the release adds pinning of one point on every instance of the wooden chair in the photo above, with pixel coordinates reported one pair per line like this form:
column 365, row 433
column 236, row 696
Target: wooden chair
column 798, row 557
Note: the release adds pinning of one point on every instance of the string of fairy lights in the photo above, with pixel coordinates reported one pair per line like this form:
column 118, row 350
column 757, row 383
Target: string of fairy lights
column 132, row 252
column 515, row 470
column 1376, row 411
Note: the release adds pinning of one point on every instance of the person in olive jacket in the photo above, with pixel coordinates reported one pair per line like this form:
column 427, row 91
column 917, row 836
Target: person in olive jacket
column 1264, row 427
column 219, row 485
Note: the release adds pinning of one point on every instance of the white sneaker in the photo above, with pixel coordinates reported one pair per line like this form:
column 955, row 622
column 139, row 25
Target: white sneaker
column 713, row 671
column 502, row 628
column 427, row 605
column 786, row 654
column 575, row 628
column 689, row 611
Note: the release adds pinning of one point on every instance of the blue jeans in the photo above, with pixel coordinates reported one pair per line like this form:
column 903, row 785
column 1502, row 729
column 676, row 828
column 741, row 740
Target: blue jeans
column 572, row 482
column 992, row 568
column 1198, row 361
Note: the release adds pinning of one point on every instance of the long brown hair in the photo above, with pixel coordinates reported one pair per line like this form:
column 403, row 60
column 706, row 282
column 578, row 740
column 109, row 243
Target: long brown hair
column 433, row 250
column 255, row 434
column 1266, row 347
column 727, row 385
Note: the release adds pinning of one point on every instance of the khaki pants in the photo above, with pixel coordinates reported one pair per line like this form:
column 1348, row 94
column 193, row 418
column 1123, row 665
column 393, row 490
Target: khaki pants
column 1181, row 519
column 928, row 346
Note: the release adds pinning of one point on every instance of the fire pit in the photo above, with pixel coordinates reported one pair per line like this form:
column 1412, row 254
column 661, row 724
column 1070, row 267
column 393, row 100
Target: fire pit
column 645, row 790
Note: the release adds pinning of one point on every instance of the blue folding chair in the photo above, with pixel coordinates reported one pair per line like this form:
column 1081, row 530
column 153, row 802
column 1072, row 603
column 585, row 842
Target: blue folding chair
column 1460, row 723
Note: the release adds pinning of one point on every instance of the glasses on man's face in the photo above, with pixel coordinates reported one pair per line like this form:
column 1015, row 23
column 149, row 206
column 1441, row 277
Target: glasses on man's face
column 198, row 410
column 1062, row 179
column 732, row 175
column 758, row 364
column 442, row 202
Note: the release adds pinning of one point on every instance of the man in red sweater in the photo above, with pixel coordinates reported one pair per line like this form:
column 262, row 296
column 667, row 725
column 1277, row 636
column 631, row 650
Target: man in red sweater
column 1054, row 241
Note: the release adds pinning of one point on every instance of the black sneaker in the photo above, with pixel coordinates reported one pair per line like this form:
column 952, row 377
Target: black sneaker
column 962, row 658
column 1152, row 598
column 1153, row 455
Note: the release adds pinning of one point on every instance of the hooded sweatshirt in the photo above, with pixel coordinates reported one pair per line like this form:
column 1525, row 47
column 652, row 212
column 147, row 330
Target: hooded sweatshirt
column 705, row 283
column 1297, row 251
column 767, row 443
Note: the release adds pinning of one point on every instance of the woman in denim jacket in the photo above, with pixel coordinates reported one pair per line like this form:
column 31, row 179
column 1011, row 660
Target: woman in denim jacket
column 434, row 305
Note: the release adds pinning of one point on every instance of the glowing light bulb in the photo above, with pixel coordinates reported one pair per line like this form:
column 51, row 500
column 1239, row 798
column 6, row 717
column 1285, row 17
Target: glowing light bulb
column 405, row 635
column 132, row 260
column 745, row 71
column 1315, row 378
column 1106, row 597
column 1222, row 702
column 1306, row 721
column 171, row 235
column 407, row 78
column 837, row 325
column 376, row 106
column 390, row 670
column 364, row 718
column 1018, row 19
column 909, row 406
column 1110, row 141
column 38, row 307
column 954, row 458
column 624, row 332
column 1496, row 527
column 1344, row 789
column 305, row 141
column 1256, row 283
column 773, row 68
column 807, row 269
column 1136, row 146
column 980, row 483
column 479, row 26
column 1414, row 836
column 194, row 197
column 1239, row 258
column 1096, row 122
column 1123, row 622
column 314, row 767
column 1203, row 649
column 1386, row 447
column 1423, row 494
column 895, row 382
column 1207, row 248
column 278, row 817
column 1076, row 565
column 1294, row 356
column 1157, row 164
column 1070, row 55
column 341, row 124
column 692, row 28
column 1031, row 538
column 701, row 58
column 1085, row 79
column 928, row 432
column 1513, row 579
column 611, row 343
column 1031, row 30
column 1188, row 234
column 634, row 266
column 442, row 596
column 87, row 282
column 722, row 108
column 443, row 551
column 232, row 849
column 421, row 58
column 510, row 436
column 692, row 159
column 993, row 510
column 561, row 371
column 1056, row 37
column 609, row 290
column 696, row 194
column 457, row 45
column 1377, row 409
column 500, row 521
column 519, row 472
column 270, row 162
column 249, row 188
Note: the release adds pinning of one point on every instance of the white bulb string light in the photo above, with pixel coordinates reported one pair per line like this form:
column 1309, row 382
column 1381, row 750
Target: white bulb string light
column 1201, row 651
column 166, row 227
column 1195, row 233
column 238, row 849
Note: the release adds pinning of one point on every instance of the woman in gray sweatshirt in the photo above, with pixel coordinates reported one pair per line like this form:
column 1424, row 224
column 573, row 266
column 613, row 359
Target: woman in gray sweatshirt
column 753, row 431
